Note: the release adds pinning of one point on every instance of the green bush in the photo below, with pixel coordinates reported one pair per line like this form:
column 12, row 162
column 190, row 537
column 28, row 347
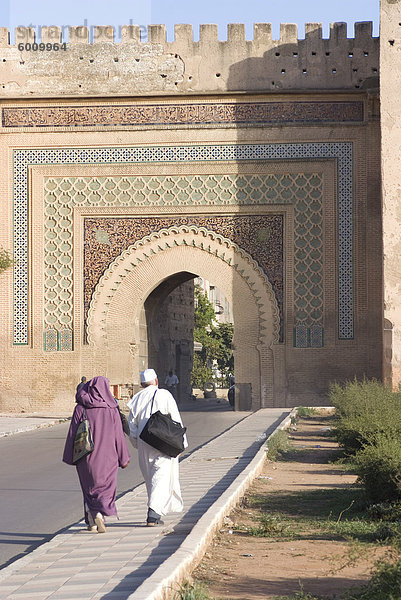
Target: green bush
column 385, row 511
column 277, row 445
column 5, row 260
column 385, row 584
column 378, row 467
column 306, row 411
column 365, row 410
column 192, row 591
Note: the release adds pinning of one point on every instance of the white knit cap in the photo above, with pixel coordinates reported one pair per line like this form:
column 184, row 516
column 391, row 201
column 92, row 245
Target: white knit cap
column 148, row 375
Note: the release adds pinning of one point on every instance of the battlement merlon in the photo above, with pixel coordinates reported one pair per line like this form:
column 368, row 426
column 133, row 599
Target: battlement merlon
column 137, row 67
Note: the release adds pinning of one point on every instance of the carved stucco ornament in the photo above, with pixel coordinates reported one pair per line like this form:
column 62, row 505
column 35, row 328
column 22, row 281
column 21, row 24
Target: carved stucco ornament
column 215, row 245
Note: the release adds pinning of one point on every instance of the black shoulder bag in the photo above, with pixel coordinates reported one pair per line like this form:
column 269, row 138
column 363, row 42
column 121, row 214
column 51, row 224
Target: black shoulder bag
column 162, row 433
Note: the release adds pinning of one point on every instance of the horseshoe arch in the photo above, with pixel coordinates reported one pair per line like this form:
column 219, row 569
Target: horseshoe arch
column 114, row 314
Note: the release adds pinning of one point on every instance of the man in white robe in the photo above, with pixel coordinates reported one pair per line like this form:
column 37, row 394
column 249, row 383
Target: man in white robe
column 159, row 470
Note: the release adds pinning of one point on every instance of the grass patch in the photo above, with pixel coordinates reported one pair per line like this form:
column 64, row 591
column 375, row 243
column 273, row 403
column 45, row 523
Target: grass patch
column 192, row 591
column 335, row 514
column 385, row 584
column 271, row 526
column 313, row 505
column 299, row 596
column 304, row 412
column 277, row 445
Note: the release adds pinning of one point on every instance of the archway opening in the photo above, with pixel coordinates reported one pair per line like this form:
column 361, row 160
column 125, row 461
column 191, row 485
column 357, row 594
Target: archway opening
column 166, row 330
column 117, row 323
column 186, row 330
column 213, row 365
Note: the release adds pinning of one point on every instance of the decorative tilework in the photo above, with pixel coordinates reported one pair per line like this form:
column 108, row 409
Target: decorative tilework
column 316, row 336
column 182, row 190
column 308, row 262
column 302, row 189
column 301, row 336
column 57, row 340
column 146, row 115
column 65, row 339
column 50, row 340
column 120, row 233
column 342, row 151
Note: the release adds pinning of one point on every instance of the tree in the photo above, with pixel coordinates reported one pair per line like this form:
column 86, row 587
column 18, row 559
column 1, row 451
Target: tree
column 216, row 341
column 5, row 260
column 223, row 333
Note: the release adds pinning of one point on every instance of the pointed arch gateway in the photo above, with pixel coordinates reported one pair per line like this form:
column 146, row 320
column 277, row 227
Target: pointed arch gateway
column 115, row 311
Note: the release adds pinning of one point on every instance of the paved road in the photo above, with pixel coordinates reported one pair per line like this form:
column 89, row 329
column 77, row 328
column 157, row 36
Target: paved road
column 40, row 495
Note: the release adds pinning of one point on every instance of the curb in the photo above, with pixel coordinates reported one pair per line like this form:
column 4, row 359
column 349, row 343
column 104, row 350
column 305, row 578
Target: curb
column 32, row 427
column 165, row 581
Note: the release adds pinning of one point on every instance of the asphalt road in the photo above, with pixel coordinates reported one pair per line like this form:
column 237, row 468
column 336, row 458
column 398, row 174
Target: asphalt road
column 40, row 495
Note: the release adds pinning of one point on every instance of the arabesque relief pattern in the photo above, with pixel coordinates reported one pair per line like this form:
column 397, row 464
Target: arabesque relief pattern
column 260, row 236
column 182, row 114
column 191, row 236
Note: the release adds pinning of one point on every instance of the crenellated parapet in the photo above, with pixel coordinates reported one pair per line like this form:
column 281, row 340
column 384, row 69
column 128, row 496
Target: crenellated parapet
column 64, row 63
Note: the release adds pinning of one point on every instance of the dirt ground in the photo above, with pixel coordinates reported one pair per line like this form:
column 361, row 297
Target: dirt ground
column 243, row 567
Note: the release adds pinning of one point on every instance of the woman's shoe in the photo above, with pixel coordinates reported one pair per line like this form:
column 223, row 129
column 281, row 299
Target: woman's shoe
column 91, row 523
column 99, row 520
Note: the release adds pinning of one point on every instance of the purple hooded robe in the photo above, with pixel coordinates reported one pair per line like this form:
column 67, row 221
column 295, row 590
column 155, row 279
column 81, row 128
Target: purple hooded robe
column 97, row 471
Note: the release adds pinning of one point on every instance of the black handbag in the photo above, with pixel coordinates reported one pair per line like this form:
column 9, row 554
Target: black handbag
column 164, row 434
column 124, row 421
column 83, row 442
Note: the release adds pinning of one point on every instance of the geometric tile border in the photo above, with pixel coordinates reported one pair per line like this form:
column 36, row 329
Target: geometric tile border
column 341, row 151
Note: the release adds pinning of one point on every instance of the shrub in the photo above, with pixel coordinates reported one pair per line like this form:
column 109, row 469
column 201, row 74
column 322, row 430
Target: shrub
column 385, row 511
column 378, row 467
column 365, row 410
column 305, row 412
column 385, row 583
column 277, row 445
column 192, row 591
column 5, row 260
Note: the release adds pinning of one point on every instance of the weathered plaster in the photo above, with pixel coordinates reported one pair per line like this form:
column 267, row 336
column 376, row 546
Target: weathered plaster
column 184, row 66
column 390, row 66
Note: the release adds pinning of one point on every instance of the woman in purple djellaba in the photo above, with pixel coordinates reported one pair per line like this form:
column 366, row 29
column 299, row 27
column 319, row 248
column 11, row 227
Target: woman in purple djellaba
column 97, row 471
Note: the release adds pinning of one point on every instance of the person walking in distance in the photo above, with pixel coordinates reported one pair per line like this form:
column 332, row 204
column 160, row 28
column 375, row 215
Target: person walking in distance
column 160, row 472
column 81, row 383
column 171, row 383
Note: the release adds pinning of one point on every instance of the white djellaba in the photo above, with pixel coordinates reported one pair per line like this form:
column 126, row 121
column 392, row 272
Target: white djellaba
column 160, row 472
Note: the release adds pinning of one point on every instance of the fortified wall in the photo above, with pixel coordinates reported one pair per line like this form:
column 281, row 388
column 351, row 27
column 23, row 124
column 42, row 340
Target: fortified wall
column 130, row 168
column 158, row 67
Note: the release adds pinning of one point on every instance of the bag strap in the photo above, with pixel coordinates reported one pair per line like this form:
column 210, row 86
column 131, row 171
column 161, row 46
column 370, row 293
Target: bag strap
column 151, row 407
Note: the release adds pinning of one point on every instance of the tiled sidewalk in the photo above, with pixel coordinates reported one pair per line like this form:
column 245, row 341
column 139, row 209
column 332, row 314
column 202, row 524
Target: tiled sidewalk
column 135, row 562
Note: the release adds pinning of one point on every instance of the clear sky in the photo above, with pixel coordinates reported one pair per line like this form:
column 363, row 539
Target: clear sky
column 143, row 12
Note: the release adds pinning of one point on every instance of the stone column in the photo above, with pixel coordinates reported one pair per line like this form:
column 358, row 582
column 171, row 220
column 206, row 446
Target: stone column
column 390, row 76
